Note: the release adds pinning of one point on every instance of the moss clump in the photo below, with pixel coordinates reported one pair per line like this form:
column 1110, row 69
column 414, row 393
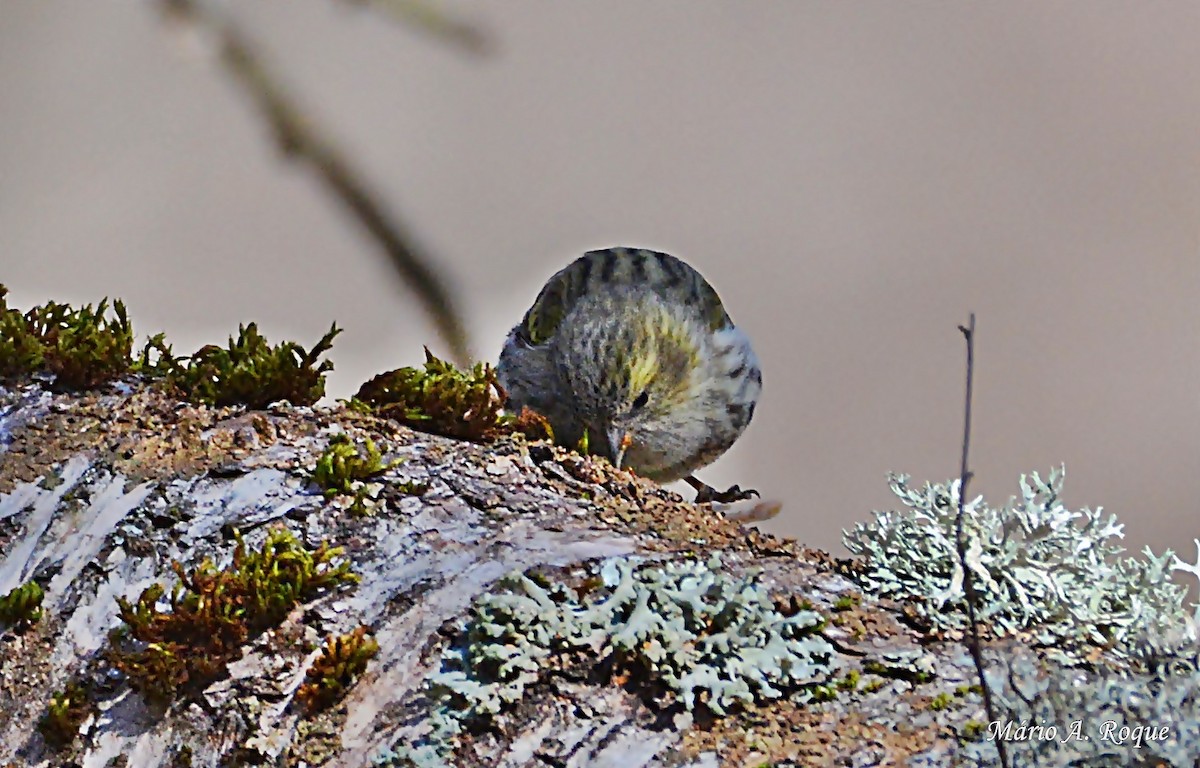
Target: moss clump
column 341, row 467
column 845, row 602
column 446, row 401
column 897, row 670
column 182, row 757
column 342, row 660
column 212, row 612
column 65, row 713
column 22, row 606
column 850, row 681
column 20, row 349
column 973, row 730
column 941, row 701
column 249, row 371
column 824, row 692
column 873, row 685
column 87, row 347
column 83, row 348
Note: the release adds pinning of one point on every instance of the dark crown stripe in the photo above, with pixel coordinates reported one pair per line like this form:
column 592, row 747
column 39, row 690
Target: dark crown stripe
column 638, row 264
column 672, row 279
column 585, row 269
column 608, row 264
column 672, row 268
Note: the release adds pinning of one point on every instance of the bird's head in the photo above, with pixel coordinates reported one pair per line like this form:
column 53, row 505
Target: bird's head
column 631, row 361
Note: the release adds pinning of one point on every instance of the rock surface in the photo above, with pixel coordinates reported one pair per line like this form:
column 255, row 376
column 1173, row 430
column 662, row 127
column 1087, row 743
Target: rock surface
column 100, row 493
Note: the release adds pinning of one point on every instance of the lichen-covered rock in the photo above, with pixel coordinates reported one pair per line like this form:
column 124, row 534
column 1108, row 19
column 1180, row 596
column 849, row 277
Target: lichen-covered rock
column 644, row 630
column 707, row 638
column 1115, row 680
column 1038, row 567
column 89, row 533
column 1053, row 716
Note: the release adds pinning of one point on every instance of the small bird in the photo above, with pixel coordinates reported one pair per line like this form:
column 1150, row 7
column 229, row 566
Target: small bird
column 631, row 352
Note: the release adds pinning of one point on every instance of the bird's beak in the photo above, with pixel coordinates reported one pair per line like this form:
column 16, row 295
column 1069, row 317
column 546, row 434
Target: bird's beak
column 618, row 441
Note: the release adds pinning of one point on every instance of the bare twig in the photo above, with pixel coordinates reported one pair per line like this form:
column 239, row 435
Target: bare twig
column 973, row 644
column 429, row 18
column 298, row 139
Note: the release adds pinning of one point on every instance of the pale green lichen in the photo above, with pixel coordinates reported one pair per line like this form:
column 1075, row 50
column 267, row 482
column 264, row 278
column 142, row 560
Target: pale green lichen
column 1118, row 684
column 687, row 632
column 1037, row 567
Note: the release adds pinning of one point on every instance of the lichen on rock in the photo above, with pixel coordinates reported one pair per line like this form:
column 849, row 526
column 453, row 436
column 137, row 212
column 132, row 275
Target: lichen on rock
column 1038, row 567
column 520, row 604
column 686, row 633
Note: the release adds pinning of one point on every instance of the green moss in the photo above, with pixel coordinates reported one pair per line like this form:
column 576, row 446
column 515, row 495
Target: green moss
column 941, row 701
column 973, row 730
column 212, row 612
column 850, row 681
column 362, row 505
column 248, row 371
column 22, row 606
column 354, row 405
column 20, row 349
column 896, row 672
column 873, row 685
column 444, row 400
column 845, row 602
column 413, row 487
column 343, row 470
column 341, row 661
column 64, row 714
column 824, row 692
column 87, row 347
column 182, row 757
column 342, row 467
column 83, row 348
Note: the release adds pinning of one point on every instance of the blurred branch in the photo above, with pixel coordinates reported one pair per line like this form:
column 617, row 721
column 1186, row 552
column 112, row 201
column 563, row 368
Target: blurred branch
column 429, row 18
column 298, row 138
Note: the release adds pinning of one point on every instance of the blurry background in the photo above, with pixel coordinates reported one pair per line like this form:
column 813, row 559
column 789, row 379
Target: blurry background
column 853, row 178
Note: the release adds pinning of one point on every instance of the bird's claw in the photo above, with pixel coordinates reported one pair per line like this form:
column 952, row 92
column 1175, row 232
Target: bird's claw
column 706, row 494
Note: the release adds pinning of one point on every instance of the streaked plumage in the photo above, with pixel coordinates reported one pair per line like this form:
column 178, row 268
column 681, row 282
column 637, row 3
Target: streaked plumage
column 635, row 347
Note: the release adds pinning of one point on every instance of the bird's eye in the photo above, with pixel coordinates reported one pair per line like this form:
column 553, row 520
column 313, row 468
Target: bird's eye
column 641, row 400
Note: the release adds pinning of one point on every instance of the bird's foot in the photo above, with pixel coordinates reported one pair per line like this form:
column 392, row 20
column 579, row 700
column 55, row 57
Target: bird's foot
column 706, row 494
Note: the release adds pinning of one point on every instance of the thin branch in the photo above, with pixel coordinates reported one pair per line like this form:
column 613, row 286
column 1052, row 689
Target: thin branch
column 427, row 17
column 964, row 479
column 299, row 139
